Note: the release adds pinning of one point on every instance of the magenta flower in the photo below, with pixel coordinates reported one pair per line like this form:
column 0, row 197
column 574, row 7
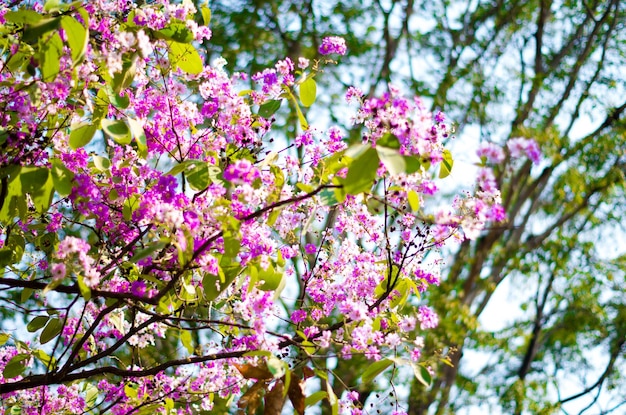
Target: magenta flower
column 241, row 171
column 333, row 44
column 298, row 316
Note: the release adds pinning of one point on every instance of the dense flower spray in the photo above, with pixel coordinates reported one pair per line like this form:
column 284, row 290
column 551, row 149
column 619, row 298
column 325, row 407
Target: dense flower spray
column 183, row 258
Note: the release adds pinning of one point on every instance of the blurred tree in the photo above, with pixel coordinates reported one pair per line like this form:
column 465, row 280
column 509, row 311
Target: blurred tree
column 551, row 70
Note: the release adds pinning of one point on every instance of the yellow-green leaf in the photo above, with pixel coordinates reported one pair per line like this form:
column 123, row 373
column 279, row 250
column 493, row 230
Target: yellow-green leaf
column 414, row 200
column 77, row 37
column 375, row 369
column 446, row 164
column 308, row 92
column 50, row 54
column 81, row 135
column 185, row 57
column 116, row 129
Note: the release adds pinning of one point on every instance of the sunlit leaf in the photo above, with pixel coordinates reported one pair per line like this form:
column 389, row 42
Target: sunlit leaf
column 185, row 57
column 269, row 108
column 37, row 323
column 52, row 330
column 414, row 200
column 116, row 129
column 362, row 172
column 81, row 135
column 308, row 92
column 446, row 164
column 50, row 56
column 15, row 366
column 177, row 31
column 62, row 177
column 392, row 159
column 197, row 175
column 375, row 369
column 77, row 37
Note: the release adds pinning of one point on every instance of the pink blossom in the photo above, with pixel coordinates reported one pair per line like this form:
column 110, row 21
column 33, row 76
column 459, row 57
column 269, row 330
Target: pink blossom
column 333, row 44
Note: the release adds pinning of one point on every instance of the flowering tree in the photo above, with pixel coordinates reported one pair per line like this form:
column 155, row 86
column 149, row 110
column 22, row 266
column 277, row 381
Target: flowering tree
column 163, row 249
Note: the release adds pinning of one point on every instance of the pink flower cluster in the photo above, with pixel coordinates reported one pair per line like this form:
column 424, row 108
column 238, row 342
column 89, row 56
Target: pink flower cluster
column 197, row 219
column 333, row 45
column 520, row 146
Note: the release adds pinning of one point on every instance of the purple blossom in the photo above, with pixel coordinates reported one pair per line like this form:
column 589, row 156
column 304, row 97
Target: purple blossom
column 427, row 317
column 242, row 171
column 518, row 147
column 491, row 152
column 310, row 249
column 138, row 288
column 333, row 44
column 298, row 316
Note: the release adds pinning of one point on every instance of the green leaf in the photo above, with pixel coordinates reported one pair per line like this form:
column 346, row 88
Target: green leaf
column 375, row 369
column 130, row 390
column 206, row 14
column 4, row 337
column 177, row 31
column 81, row 135
column 52, row 330
column 15, row 366
column 50, row 53
column 269, row 108
column 6, row 257
column 392, row 159
column 277, row 367
column 50, row 5
column 77, row 37
column 198, row 175
column 446, row 164
column 361, row 173
column 332, row 399
column 187, row 340
column 101, row 105
column 121, row 100
column 17, row 244
column 414, row 200
column 213, row 285
column 389, row 140
column 414, row 164
column 314, row 398
column 62, row 178
column 126, row 76
column 27, row 292
column 303, row 123
column 37, row 323
column 116, row 129
column 48, row 361
column 138, row 133
column 271, row 277
column 33, row 178
column 179, row 168
column 308, row 92
column 15, row 199
column 185, row 57
column 29, row 17
column 33, row 33
column 101, row 163
column 422, row 375
column 37, row 182
column 85, row 291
